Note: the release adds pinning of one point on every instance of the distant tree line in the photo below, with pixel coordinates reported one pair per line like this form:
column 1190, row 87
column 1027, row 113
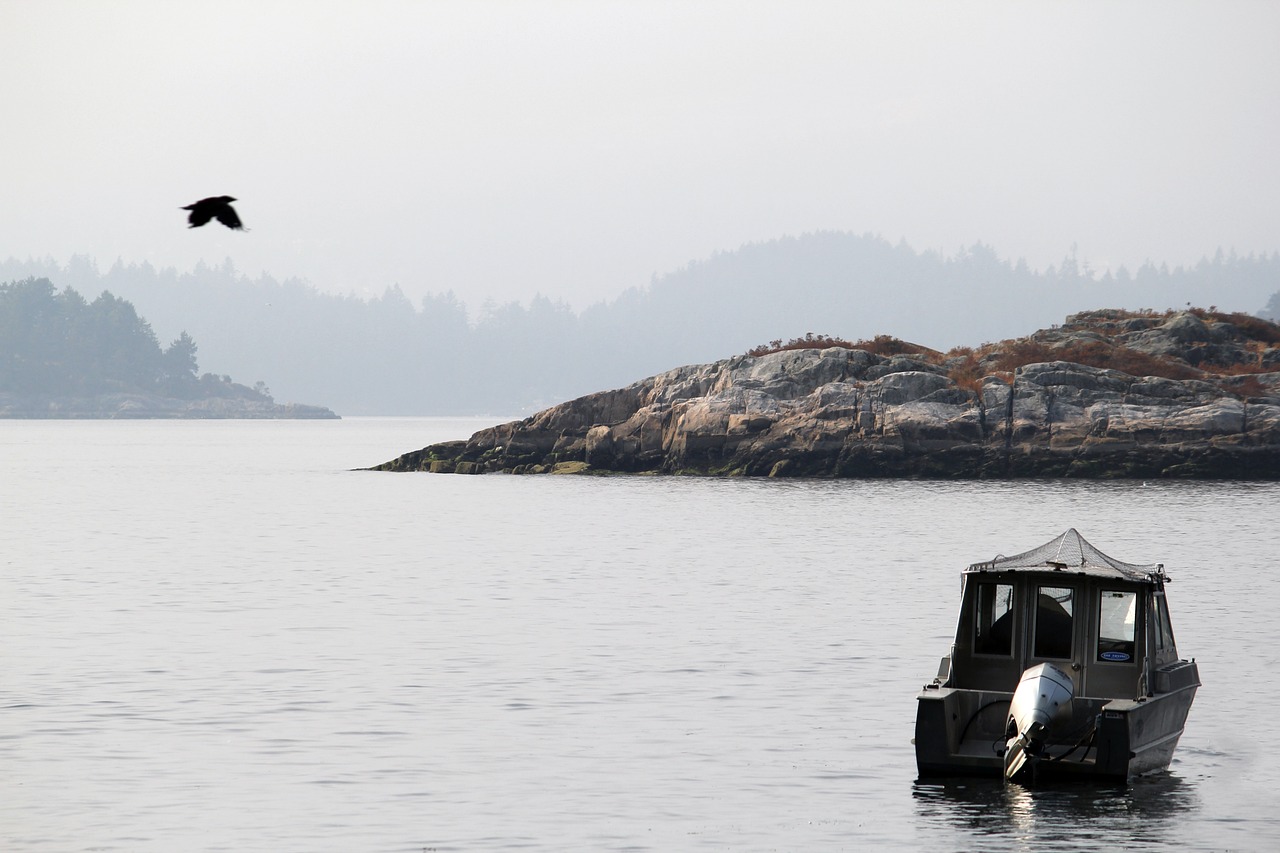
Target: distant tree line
column 59, row 344
column 1271, row 311
column 387, row 354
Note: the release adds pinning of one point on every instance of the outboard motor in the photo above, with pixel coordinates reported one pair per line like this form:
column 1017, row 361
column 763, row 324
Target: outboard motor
column 1043, row 696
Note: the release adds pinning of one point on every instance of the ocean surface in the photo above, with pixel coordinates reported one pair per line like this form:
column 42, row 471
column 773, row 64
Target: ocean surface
column 217, row 636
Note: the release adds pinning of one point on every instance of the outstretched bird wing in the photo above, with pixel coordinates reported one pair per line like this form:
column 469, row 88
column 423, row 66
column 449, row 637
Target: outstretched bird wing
column 227, row 216
column 200, row 214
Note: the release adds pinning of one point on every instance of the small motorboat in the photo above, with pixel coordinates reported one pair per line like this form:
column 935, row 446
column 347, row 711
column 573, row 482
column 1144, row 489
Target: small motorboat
column 1064, row 665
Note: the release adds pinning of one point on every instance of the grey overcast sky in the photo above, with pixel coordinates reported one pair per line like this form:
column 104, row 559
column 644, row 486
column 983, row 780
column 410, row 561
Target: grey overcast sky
column 574, row 149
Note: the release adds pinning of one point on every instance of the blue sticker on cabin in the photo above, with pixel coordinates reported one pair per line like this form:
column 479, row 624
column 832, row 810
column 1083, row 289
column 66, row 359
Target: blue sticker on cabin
column 1114, row 656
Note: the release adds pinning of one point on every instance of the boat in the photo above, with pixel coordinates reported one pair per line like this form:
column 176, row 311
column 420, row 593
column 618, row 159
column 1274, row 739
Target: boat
column 1064, row 666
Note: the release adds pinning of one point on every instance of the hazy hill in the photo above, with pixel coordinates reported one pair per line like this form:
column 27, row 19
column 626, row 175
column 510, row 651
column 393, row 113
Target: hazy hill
column 63, row 356
column 388, row 355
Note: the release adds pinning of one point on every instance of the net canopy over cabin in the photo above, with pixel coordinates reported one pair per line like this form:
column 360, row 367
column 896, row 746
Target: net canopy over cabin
column 1071, row 552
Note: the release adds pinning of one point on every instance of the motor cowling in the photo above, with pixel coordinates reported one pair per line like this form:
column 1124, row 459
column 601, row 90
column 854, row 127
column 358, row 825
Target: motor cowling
column 1043, row 698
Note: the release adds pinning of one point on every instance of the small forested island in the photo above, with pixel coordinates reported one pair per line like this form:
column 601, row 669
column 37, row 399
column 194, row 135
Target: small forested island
column 1109, row 394
column 62, row 356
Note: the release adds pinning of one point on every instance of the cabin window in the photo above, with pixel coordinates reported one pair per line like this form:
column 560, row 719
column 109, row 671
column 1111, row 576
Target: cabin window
column 1164, row 635
column 1055, row 607
column 995, row 619
column 1117, row 621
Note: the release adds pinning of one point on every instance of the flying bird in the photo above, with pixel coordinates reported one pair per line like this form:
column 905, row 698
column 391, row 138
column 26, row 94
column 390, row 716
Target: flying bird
column 216, row 207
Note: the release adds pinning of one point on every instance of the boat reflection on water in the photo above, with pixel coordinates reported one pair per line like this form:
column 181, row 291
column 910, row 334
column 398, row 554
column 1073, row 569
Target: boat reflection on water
column 991, row 814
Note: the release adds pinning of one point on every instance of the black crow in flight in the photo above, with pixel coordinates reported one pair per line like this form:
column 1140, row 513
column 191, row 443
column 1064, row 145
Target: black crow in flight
column 218, row 207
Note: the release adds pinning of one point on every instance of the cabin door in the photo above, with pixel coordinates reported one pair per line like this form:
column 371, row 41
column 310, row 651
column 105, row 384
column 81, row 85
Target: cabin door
column 1054, row 633
column 1116, row 647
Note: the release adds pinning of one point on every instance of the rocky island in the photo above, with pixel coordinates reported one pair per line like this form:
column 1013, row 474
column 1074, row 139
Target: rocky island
column 1109, row 394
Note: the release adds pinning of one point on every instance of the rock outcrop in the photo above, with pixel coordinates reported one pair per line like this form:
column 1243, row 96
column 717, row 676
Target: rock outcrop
column 850, row 412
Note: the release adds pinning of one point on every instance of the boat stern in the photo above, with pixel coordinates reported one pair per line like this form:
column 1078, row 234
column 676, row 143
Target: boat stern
column 959, row 732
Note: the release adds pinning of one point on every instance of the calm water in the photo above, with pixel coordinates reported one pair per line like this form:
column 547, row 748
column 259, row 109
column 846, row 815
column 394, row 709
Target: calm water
column 216, row 636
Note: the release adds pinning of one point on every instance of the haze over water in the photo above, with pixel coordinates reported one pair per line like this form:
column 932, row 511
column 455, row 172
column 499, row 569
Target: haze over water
column 216, row 636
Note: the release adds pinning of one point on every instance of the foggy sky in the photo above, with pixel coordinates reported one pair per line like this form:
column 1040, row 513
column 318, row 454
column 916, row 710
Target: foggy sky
column 574, row 149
